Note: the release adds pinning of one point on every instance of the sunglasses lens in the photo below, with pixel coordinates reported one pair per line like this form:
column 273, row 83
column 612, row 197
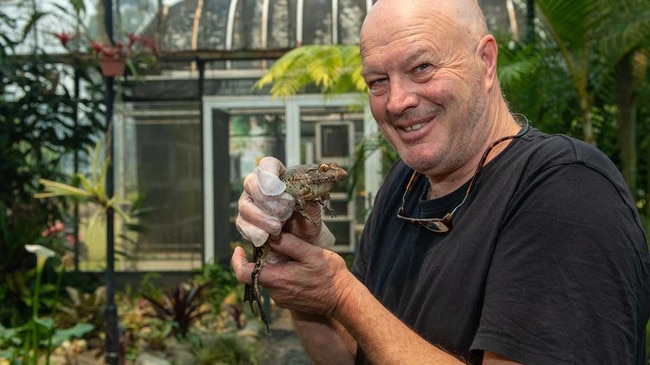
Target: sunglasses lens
column 435, row 226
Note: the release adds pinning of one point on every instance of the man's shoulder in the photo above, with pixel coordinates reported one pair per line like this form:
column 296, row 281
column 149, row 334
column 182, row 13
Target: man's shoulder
column 557, row 149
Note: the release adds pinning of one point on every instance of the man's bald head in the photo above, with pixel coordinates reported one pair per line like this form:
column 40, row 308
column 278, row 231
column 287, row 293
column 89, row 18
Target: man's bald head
column 462, row 18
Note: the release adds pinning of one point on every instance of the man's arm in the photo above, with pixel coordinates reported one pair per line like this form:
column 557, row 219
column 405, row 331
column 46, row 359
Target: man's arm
column 344, row 311
column 325, row 340
column 317, row 281
column 387, row 340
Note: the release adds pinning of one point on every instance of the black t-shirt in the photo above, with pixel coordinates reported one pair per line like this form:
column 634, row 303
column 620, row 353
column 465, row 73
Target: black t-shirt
column 547, row 262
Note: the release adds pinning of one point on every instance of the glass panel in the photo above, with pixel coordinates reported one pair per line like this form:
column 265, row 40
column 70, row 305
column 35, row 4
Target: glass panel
column 254, row 134
column 329, row 134
column 159, row 146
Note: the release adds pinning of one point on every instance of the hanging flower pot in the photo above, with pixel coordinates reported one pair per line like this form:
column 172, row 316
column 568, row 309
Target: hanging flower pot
column 112, row 67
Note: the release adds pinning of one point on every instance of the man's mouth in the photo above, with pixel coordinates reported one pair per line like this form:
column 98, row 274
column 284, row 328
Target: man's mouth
column 414, row 127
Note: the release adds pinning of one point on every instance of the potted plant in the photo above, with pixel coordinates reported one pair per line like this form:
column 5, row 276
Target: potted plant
column 135, row 52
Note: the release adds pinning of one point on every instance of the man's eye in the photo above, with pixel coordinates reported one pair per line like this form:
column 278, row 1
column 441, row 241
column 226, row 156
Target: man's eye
column 423, row 67
column 422, row 73
column 378, row 87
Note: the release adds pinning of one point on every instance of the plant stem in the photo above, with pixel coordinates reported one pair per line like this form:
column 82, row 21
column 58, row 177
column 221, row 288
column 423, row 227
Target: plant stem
column 54, row 305
column 35, row 303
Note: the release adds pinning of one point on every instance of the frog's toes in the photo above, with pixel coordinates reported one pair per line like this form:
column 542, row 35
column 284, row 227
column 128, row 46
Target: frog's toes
column 328, row 206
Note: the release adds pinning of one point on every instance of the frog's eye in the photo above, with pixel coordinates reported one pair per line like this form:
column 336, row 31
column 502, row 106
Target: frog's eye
column 323, row 167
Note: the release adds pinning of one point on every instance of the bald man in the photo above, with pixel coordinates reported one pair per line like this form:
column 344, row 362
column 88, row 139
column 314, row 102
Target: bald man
column 489, row 242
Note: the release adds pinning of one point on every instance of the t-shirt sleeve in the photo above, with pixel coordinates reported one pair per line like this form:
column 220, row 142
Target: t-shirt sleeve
column 567, row 275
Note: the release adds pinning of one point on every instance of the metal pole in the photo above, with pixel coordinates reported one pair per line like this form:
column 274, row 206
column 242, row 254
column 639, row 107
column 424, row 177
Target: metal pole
column 110, row 314
column 530, row 21
column 75, row 223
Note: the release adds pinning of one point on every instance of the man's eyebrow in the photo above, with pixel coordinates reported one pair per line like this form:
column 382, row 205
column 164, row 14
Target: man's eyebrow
column 416, row 56
column 413, row 57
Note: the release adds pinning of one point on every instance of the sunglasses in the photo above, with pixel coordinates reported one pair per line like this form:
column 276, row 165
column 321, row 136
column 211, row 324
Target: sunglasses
column 444, row 224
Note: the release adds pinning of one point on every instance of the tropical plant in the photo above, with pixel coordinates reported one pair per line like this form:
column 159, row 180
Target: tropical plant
column 599, row 41
column 572, row 27
column 333, row 69
column 181, row 305
column 92, row 190
column 155, row 333
column 44, row 121
column 135, row 52
column 151, row 320
column 225, row 294
column 222, row 280
column 374, row 143
column 134, row 314
column 226, row 347
column 38, row 336
column 80, row 307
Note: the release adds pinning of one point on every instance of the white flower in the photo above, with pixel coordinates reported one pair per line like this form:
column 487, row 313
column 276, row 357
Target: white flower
column 42, row 254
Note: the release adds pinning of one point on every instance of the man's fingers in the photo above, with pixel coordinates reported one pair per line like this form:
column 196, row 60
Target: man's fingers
column 293, row 247
column 251, row 231
column 271, row 165
column 257, row 216
column 277, row 206
column 241, row 266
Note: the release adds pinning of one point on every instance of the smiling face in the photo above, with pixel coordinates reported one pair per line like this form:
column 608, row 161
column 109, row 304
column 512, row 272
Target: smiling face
column 430, row 76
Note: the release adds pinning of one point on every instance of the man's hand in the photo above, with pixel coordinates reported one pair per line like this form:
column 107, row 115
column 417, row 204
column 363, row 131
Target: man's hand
column 263, row 206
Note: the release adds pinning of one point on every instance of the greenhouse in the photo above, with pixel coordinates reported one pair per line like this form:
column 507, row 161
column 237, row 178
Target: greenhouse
column 134, row 175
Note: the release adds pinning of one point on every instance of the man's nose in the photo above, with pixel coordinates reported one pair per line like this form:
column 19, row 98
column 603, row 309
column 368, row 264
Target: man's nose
column 401, row 96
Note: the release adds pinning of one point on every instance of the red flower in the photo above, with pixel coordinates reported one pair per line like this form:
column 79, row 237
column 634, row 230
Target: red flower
column 63, row 37
column 148, row 42
column 96, row 46
column 132, row 47
column 133, row 39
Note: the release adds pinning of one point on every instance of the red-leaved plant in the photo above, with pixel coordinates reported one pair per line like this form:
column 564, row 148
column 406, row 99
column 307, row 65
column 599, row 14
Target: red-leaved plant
column 135, row 51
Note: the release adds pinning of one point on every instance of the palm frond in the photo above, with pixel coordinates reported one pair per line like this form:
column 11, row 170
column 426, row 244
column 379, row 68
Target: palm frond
column 517, row 62
column 572, row 25
column 93, row 188
column 331, row 68
column 54, row 188
column 626, row 28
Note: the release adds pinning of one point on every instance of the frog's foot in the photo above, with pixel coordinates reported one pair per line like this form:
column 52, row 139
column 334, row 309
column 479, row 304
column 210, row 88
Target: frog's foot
column 327, row 203
column 252, row 292
column 300, row 209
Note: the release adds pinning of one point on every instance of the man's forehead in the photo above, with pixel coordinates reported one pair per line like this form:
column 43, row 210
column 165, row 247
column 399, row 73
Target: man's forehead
column 388, row 17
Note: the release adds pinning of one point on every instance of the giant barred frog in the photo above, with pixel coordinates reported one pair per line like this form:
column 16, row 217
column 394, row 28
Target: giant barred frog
column 310, row 182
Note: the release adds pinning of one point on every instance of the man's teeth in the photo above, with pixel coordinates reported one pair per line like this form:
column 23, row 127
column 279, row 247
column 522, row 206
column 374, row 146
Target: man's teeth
column 414, row 127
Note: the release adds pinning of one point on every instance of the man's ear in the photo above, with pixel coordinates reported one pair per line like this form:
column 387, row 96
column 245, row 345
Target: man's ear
column 488, row 53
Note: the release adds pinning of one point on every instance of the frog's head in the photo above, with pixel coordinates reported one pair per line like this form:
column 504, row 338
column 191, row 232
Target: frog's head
column 332, row 171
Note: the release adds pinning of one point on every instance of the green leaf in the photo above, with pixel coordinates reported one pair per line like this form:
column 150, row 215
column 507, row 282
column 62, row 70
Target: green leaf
column 62, row 335
column 332, row 68
column 36, row 16
column 45, row 322
column 53, row 188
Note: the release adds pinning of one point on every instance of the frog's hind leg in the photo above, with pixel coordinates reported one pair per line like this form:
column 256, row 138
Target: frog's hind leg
column 252, row 291
column 326, row 202
column 300, row 208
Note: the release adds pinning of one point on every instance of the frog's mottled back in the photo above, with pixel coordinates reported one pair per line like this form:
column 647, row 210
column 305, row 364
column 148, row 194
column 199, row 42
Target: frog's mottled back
column 312, row 181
